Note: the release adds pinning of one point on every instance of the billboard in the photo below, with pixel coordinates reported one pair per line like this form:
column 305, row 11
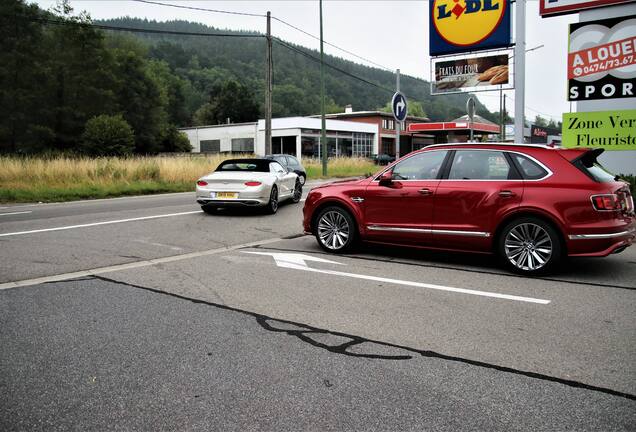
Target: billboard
column 611, row 130
column 471, row 73
column 458, row 26
column 559, row 7
column 602, row 59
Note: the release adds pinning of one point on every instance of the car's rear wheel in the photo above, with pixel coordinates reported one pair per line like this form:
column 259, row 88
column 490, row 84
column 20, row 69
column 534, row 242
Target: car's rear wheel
column 272, row 204
column 529, row 246
column 335, row 230
column 298, row 191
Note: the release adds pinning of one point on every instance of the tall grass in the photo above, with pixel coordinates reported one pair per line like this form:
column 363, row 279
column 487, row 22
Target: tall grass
column 61, row 178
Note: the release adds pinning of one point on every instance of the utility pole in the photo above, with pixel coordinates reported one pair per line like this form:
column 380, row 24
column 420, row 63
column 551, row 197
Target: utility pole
column 268, row 87
column 323, row 132
column 504, row 119
column 398, row 125
column 520, row 69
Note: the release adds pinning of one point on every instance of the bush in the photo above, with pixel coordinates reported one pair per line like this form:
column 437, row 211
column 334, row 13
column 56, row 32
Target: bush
column 107, row 135
column 175, row 141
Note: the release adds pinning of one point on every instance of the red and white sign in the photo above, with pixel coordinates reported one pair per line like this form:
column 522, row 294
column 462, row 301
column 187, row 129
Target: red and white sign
column 559, row 7
column 608, row 56
column 452, row 126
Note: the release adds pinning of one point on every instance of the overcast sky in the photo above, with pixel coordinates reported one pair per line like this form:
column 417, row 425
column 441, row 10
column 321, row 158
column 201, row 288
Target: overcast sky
column 391, row 33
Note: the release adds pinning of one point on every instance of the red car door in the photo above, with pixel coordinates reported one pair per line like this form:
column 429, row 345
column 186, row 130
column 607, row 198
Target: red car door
column 480, row 187
column 402, row 210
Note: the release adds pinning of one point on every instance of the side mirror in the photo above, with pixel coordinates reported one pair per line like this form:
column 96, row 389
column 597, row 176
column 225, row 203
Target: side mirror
column 386, row 178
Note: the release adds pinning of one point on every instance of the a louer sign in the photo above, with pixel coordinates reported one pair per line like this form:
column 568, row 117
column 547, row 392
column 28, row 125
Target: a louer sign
column 611, row 130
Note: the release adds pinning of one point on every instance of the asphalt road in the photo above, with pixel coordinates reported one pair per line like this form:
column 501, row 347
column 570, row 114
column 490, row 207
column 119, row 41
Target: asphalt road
column 181, row 320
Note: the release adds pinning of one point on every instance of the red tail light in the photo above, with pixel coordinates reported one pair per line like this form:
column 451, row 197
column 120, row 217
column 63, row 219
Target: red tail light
column 202, row 183
column 252, row 183
column 606, row 202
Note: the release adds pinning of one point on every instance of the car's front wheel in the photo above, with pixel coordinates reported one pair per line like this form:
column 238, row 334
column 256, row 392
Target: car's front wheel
column 335, row 230
column 529, row 246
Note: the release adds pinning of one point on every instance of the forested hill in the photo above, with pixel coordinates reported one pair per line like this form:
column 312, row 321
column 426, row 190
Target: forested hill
column 70, row 84
column 208, row 61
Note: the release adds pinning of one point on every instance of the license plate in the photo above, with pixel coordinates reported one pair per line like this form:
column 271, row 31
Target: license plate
column 226, row 195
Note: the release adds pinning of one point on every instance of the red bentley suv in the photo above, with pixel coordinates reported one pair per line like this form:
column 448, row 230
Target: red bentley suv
column 531, row 205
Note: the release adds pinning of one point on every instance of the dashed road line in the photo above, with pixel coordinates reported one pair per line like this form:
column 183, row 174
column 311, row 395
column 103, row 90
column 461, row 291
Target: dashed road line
column 68, row 227
column 132, row 265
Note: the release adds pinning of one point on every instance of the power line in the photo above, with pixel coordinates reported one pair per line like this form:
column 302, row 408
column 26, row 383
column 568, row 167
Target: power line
column 330, row 44
column 49, row 21
column 316, row 59
column 201, row 9
column 264, row 16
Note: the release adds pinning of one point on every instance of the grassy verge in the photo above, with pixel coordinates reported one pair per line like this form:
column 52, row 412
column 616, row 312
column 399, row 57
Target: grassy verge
column 32, row 179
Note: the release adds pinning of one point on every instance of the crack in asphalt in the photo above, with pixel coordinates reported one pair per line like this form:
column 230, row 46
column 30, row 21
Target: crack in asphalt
column 304, row 331
column 394, row 261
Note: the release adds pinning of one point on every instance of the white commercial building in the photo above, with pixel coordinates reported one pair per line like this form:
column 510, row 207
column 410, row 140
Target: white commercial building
column 298, row 136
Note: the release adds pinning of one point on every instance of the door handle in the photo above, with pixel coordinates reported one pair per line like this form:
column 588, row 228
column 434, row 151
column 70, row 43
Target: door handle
column 425, row 191
column 506, row 194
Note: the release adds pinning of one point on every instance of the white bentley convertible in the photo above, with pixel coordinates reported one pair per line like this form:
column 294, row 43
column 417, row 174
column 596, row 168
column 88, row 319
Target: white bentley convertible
column 248, row 182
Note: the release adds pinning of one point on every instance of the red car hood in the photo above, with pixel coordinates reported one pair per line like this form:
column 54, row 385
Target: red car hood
column 344, row 182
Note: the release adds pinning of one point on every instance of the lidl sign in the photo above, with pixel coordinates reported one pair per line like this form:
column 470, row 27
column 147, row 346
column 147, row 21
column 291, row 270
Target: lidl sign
column 611, row 130
column 468, row 25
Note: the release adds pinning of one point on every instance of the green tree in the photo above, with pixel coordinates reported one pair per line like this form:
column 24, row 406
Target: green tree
column 107, row 135
column 231, row 100
column 175, row 141
column 540, row 121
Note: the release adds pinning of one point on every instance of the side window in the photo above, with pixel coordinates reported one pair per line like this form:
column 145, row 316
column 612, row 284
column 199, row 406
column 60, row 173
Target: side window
column 480, row 165
column 422, row 166
column 292, row 161
column 275, row 167
column 529, row 168
column 281, row 160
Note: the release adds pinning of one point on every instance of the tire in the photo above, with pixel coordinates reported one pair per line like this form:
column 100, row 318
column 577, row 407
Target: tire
column 529, row 246
column 335, row 230
column 272, row 204
column 209, row 209
column 298, row 191
column 302, row 178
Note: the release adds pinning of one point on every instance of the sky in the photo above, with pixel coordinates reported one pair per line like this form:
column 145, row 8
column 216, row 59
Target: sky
column 393, row 34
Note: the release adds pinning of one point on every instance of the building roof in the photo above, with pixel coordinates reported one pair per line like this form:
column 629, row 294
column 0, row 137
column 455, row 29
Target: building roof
column 476, row 119
column 371, row 114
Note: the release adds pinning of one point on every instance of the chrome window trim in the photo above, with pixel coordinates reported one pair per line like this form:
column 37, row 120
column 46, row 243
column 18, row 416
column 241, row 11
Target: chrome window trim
column 599, row 236
column 429, row 231
column 548, row 170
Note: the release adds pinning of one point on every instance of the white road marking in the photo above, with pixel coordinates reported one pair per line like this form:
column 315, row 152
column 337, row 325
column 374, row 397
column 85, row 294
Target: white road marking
column 132, row 265
column 15, row 213
column 99, row 223
column 297, row 262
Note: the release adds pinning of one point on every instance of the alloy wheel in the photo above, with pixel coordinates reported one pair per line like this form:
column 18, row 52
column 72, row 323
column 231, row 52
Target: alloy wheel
column 333, row 230
column 528, row 246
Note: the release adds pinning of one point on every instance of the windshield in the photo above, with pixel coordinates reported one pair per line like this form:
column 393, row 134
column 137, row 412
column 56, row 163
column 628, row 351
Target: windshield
column 257, row 165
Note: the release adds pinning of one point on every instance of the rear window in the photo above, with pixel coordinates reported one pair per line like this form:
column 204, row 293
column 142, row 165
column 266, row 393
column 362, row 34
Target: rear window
column 590, row 166
column 244, row 165
column 598, row 173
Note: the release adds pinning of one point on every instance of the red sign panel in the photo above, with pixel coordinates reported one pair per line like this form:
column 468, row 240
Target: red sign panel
column 559, row 7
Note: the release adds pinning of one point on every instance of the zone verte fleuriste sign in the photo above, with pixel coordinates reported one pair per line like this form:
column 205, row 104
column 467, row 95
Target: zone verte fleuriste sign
column 611, row 130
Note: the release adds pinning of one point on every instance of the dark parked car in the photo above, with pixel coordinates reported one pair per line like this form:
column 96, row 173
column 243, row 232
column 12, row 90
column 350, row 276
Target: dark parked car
column 383, row 159
column 292, row 164
column 531, row 205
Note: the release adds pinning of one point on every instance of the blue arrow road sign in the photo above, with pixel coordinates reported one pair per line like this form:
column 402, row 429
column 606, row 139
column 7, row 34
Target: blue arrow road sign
column 399, row 106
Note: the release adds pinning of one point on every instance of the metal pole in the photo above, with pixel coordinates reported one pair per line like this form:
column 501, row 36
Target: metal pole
column 323, row 132
column 398, row 125
column 520, row 68
column 504, row 118
column 502, row 126
column 268, row 88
